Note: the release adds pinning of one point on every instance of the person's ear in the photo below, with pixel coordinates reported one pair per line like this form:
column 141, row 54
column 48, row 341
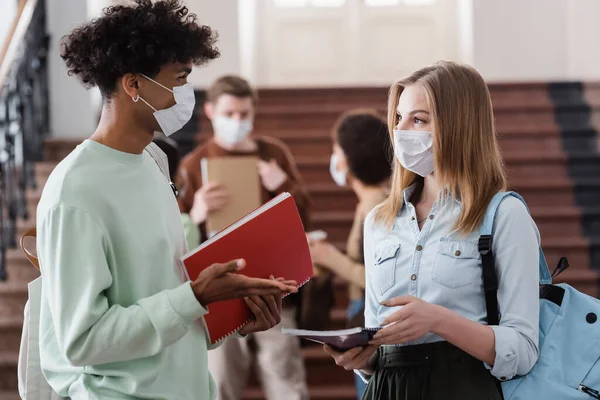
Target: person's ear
column 130, row 85
column 209, row 109
column 342, row 164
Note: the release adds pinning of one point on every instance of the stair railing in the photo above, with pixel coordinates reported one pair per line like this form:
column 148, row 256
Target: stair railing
column 24, row 119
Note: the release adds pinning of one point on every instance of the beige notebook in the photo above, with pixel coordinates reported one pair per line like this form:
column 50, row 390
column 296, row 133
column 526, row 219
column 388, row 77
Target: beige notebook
column 239, row 176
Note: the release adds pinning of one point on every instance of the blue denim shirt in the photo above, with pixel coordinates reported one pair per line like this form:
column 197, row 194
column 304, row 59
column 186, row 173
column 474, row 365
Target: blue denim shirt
column 442, row 267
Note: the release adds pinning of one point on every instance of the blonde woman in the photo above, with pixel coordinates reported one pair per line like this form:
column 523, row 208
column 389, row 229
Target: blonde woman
column 423, row 269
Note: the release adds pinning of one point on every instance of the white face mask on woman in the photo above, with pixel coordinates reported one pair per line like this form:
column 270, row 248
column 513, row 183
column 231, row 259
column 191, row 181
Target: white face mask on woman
column 339, row 177
column 414, row 150
column 230, row 130
column 174, row 118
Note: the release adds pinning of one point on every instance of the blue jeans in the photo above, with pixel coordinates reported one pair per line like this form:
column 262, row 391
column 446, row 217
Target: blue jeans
column 360, row 386
column 354, row 308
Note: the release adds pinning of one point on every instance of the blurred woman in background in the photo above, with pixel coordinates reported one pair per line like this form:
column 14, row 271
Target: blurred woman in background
column 360, row 160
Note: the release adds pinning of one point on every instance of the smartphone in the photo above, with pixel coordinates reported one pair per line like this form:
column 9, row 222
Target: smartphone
column 316, row 236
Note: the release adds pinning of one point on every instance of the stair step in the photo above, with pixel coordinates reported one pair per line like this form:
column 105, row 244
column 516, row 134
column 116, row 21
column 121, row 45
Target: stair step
column 544, row 158
column 10, row 331
column 18, row 268
column 13, row 296
column 519, row 166
column 329, row 197
column 8, row 371
column 319, row 142
column 10, row 395
column 320, row 368
column 504, row 96
column 331, row 392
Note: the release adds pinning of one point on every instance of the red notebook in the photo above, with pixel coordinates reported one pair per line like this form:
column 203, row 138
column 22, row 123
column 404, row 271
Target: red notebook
column 271, row 240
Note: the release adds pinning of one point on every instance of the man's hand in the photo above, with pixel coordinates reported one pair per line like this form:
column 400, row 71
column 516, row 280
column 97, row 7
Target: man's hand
column 361, row 358
column 220, row 282
column 210, row 197
column 266, row 310
column 271, row 175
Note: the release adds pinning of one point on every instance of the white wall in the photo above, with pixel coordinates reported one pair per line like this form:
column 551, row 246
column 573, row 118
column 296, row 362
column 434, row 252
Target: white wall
column 583, row 34
column 72, row 111
column 350, row 44
column 221, row 15
column 507, row 40
column 8, row 10
column 520, row 40
column 536, row 40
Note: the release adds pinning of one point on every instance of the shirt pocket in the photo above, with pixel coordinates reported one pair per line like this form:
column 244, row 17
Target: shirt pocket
column 384, row 272
column 457, row 264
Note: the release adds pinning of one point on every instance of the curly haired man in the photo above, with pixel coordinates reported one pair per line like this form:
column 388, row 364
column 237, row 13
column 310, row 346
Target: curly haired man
column 118, row 320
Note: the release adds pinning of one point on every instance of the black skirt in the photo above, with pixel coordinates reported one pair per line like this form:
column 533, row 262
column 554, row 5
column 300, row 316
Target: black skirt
column 433, row 371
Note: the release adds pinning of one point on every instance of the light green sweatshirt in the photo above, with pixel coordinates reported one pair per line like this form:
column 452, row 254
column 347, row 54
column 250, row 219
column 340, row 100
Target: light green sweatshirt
column 118, row 320
column 192, row 233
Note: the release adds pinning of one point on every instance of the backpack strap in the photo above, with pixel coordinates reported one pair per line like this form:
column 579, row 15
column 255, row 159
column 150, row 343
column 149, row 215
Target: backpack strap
column 160, row 158
column 490, row 279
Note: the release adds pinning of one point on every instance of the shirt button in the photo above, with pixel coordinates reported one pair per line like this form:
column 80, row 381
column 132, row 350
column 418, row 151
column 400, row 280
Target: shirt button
column 457, row 253
column 502, row 378
column 413, row 277
column 419, row 248
column 412, row 218
column 431, row 216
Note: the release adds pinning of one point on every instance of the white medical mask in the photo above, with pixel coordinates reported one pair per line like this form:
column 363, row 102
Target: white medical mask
column 414, row 151
column 174, row 118
column 339, row 177
column 231, row 131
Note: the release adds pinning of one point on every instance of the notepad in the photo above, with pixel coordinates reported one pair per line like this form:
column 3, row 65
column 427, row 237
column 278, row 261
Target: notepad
column 341, row 340
column 239, row 177
column 272, row 241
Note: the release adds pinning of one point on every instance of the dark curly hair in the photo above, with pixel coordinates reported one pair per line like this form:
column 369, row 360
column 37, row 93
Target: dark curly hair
column 363, row 136
column 136, row 39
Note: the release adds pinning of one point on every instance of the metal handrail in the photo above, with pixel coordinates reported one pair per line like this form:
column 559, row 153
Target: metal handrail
column 24, row 120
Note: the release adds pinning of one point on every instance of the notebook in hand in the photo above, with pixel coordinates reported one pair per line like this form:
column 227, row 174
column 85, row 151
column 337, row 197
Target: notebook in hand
column 341, row 340
column 239, row 177
column 271, row 240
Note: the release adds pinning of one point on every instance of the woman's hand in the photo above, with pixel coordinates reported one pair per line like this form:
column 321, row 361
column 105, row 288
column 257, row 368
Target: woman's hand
column 357, row 358
column 414, row 320
column 321, row 252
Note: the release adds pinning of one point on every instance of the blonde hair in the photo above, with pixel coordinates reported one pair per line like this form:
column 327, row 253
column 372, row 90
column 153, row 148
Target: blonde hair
column 467, row 157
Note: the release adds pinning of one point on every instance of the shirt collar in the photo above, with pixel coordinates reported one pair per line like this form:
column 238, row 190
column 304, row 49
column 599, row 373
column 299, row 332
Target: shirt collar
column 410, row 190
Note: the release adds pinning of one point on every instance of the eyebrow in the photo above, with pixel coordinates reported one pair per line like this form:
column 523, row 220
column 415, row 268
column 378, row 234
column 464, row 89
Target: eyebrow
column 415, row 112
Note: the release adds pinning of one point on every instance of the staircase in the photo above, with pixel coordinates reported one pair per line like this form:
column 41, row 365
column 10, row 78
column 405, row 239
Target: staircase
column 548, row 141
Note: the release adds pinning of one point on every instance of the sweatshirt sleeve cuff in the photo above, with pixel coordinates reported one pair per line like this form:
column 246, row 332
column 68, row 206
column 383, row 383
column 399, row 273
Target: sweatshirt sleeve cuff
column 184, row 303
column 506, row 361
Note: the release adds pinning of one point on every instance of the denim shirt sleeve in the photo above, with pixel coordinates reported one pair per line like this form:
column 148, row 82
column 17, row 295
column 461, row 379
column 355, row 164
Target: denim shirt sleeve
column 515, row 246
column 371, row 304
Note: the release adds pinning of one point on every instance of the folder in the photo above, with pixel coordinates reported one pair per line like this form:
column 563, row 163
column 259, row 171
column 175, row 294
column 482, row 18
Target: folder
column 340, row 340
column 239, row 177
column 271, row 240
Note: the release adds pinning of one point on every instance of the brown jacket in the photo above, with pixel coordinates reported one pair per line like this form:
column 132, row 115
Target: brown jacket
column 268, row 149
